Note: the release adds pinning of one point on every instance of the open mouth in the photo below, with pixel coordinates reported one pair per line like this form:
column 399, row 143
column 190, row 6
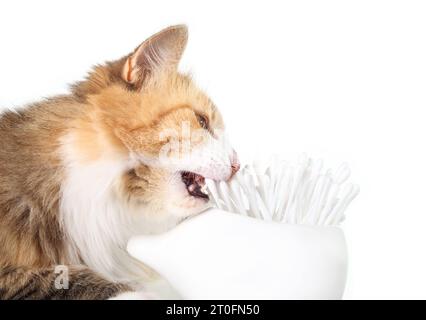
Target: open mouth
column 195, row 184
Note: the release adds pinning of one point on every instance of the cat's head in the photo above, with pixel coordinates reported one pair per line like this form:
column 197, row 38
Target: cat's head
column 164, row 123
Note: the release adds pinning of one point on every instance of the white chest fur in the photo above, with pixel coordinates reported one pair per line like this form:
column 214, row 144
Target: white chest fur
column 97, row 222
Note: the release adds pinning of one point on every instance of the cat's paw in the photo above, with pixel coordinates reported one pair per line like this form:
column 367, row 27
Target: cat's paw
column 135, row 295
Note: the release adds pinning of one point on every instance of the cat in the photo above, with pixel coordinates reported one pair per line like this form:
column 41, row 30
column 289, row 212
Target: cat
column 126, row 152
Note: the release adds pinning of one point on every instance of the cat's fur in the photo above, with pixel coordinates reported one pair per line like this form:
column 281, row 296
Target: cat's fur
column 81, row 173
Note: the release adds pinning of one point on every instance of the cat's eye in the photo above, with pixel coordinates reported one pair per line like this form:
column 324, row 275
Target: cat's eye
column 203, row 121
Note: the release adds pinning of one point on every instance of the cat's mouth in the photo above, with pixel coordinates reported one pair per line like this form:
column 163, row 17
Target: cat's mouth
column 195, row 184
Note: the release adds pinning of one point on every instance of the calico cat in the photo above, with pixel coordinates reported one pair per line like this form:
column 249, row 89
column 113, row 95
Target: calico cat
column 125, row 153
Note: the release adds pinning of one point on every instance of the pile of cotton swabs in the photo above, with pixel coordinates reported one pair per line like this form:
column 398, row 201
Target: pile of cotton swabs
column 301, row 193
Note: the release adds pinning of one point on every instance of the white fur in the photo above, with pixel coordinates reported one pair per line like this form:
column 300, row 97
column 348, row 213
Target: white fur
column 212, row 158
column 133, row 295
column 96, row 222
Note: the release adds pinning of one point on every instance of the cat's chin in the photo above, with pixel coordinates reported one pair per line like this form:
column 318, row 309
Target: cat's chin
column 156, row 221
column 184, row 214
column 187, row 208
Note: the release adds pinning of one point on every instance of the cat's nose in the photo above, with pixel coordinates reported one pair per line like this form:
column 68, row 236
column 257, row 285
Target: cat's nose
column 235, row 164
column 235, row 167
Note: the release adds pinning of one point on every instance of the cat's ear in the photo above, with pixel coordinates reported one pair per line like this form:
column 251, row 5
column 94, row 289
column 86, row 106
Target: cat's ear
column 159, row 53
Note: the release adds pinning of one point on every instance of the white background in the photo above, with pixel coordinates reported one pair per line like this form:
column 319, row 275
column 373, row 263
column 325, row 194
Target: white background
column 341, row 80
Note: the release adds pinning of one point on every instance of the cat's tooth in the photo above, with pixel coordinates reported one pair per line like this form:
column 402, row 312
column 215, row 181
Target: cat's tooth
column 204, row 188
